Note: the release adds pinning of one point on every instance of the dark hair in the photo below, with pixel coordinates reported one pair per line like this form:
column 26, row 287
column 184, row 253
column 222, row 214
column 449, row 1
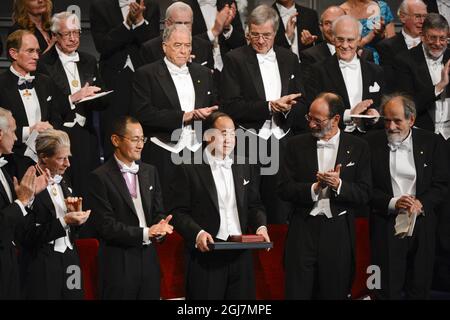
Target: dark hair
column 14, row 40
column 409, row 107
column 334, row 101
column 119, row 126
column 210, row 122
column 434, row 21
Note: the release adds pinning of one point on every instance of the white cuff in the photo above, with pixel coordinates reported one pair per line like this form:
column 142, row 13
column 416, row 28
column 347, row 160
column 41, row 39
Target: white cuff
column 198, row 235
column 25, row 134
column 391, row 206
column 72, row 105
column 211, row 36
column 63, row 223
column 338, row 191
column 145, row 234
column 347, row 118
column 22, row 207
column 436, row 93
column 134, row 26
column 227, row 34
column 314, row 196
column 262, row 228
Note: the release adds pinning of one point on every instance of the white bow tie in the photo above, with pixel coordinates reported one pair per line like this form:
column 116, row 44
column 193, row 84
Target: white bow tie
column 3, row 162
column 134, row 169
column 325, row 144
column 351, row 65
column 285, row 12
column 269, row 57
column 225, row 163
column 124, row 3
column 56, row 179
column 23, row 79
column 74, row 57
column 210, row 2
column 179, row 71
column 399, row 146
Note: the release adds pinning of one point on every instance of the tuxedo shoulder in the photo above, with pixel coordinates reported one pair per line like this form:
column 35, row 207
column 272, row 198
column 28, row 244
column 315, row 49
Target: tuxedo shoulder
column 150, row 68
column 301, row 139
column 199, row 68
column 153, row 42
column 352, row 139
column 306, row 10
column 426, row 135
column 284, row 52
column 238, row 53
column 374, row 136
column 87, row 56
column 199, row 41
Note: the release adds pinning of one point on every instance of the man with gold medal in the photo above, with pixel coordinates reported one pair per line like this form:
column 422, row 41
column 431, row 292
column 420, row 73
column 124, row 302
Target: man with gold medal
column 76, row 76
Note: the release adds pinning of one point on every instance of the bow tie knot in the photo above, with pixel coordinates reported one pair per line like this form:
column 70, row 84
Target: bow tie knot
column 324, row 144
column 74, row 57
column 3, row 162
column 351, row 65
column 134, row 169
column 287, row 12
column 56, row 179
column 179, row 71
column 26, row 82
column 399, row 146
column 225, row 163
column 269, row 57
column 212, row 3
column 124, row 3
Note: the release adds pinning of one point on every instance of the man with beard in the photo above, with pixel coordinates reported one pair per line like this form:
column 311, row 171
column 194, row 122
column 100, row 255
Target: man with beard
column 411, row 166
column 326, row 176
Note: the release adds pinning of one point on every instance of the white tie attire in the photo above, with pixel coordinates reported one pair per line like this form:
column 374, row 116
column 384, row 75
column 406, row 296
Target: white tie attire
column 326, row 158
column 30, row 102
column 285, row 14
column 270, row 73
column 440, row 114
column 410, row 41
column 351, row 72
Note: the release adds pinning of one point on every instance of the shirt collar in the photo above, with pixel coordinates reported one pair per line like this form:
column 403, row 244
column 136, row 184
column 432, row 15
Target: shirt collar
column 17, row 74
column 123, row 165
column 174, row 68
column 431, row 60
column 334, row 139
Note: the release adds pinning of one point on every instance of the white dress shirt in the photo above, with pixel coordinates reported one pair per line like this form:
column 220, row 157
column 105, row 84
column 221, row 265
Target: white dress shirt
column 444, row 8
column 32, row 107
column 270, row 73
column 410, row 41
column 326, row 160
column 440, row 113
column 403, row 170
column 57, row 197
column 125, row 8
column 137, row 202
column 351, row 72
column 285, row 14
column 223, row 180
column 332, row 48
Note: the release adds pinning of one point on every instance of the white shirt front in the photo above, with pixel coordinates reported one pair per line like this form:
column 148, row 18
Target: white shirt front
column 403, row 171
column 440, row 113
column 57, row 197
column 224, row 182
column 285, row 14
column 30, row 101
column 353, row 84
column 332, row 48
column 410, row 41
column 326, row 160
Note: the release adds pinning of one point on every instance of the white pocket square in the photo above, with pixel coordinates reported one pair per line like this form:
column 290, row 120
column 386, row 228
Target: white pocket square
column 425, row 165
column 246, row 182
column 350, row 164
column 292, row 76
column 49, row 98
column 209, row 92
column 70, row 189
column 204, row 63
column 94, row 79
column 374, row 88
column 150, row 188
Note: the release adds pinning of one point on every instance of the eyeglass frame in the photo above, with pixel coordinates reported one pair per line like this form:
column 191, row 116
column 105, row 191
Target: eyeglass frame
column 144, row 140
column 66, row 35
column 442, row 39
column 266, row 36
column 416, row 16
column 316, row 121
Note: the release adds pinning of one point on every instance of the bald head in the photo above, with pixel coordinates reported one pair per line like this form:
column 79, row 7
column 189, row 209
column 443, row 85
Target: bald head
column 346, row 32
column 326, row 21
column 179, row 13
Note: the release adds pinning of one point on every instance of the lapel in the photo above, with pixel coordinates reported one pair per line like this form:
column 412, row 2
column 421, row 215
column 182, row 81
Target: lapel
column 255, row 73
column 41, row 92
column 421, row 63
column 115, row 13
column 322, row 51
column 199, row 85
column 285, row 71
column 16, row 101
column 2, row 189
column 310, row 151
column 383, row 163
column 144, row 188
column 205, row 174
column 344, row 153
column 366, row 79
column 338, row 79
column 239, row 188
column 419, row 150
column 118, row 180
column 199, row 21
column 58, row 73
column 168, row 86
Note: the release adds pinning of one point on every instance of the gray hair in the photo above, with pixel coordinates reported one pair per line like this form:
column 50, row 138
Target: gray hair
column 49, row 141
column 4, row 121
column 344, row 18
column 263, row 13
column 409, row 107
column 176, row 27
column 72, row 21
column 434, row 21
column 178, row 6
column 404, row 6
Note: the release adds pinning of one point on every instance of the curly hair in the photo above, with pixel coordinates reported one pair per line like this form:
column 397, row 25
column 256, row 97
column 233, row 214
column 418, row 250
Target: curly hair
column 20, row 16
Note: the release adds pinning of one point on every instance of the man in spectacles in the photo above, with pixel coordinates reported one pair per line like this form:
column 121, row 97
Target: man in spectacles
column 125, row 195
column 412, row 13
column 169, row 97
column 179, row 13
column 76, row 76
column 326, row 177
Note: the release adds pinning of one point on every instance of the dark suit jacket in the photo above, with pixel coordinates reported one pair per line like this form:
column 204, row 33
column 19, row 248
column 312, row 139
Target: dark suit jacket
column 413, row 77
column 155, row 101
column 295, row 180
column 10, row 216
column 242, row 91
column 327, row 77
column 237, row 38
column 54, row 107
column 41, row 40
column 114, row 41
column 113, row 213
column 195, row 206
column 307, row 19
column 202, row 50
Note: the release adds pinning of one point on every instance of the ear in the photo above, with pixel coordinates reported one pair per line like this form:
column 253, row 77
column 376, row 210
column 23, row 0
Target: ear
column 413, row 120
column 164, row 47
column 115, row 140
column 13, row 53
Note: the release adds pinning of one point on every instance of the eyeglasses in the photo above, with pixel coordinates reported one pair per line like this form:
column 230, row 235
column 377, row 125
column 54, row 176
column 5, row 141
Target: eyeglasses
column 340, row 40
column 135, row 140
column 186, row 23
column 316, row 121
column 442, row 39
column 266, row 36
column 74, row 34
column 326, row 23
column 178, row 46
column 416, row 17
column 32, row 51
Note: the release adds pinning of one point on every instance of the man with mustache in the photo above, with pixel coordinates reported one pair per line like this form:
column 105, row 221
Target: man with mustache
column 326, row 176
column 411, row 168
